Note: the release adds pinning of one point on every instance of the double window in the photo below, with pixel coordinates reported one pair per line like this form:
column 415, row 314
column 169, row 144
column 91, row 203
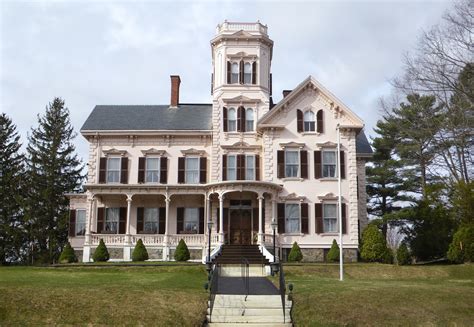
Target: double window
column 192, row 170
column 112, row 218
column 329, row 163
column 150, row 220
column 292, row 163
column 241, row 72
column 330, row 218
column 240, row 167
column 292, row 218
column 113, row 170
column 191, row 220
column 80, row 228
column 152, row 170
column 238, row 120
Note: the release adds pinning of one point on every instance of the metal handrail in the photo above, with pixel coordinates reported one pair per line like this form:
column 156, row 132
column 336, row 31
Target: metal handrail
column 214, row 287
column 282, row 290
column 245, row 275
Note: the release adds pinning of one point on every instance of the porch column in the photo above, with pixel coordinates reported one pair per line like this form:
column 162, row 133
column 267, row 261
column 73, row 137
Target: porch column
column 129, row 211
column 166, row 248
column 260, row 219
column 208, row 212
column 221, row 218
column 128, row 240
column 86, row 249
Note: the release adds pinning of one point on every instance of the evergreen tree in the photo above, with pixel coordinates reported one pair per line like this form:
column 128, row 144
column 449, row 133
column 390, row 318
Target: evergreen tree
column 139, row 252
column 374, row 246
column 68, row 255
column 53, row 170
column 12, row 235
column 295, row 254
column 182, row 253
column 403, row 255
column 101, row 254
column 333, row 253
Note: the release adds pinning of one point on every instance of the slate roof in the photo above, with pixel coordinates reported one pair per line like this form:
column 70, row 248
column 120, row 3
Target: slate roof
column 156, row 117
column 362, row 144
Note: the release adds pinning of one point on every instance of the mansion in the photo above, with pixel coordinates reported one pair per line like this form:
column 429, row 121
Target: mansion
column 160, row 173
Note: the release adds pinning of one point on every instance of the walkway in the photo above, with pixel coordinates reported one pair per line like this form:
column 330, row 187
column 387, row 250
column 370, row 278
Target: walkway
column 257, row 286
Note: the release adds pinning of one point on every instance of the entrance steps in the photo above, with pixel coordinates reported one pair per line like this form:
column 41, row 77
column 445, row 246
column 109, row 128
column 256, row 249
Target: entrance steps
column 233, row 254
column 256, row 310
column 233, row 270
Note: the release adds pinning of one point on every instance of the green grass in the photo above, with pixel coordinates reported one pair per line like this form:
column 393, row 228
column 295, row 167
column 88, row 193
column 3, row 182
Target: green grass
column 382, row 295
column 166, row 296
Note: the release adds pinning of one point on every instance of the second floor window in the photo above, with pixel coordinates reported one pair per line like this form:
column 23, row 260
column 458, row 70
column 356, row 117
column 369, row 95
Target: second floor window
column 292, row 163
column 192, row 170
column 249, row 120
column 231, row 167
column 152, row 170
column 112, row 219
column 232, row 120
column 113, row 170
column 330, row 218
column 80, row 227
column 247, row 73
column 329, row 163
column 309, row 122
column 250, row 168
column 234, row 73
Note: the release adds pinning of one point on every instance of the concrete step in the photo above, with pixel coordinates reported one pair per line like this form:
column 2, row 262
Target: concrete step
column 229, row 324
column 236, row 271
column 245, row 311
column 252, row 301
column 247, row 319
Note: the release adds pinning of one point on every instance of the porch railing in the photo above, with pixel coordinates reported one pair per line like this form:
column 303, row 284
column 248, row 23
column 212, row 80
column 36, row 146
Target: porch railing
column 109, row 239
column 190, row 239
column 148, row 239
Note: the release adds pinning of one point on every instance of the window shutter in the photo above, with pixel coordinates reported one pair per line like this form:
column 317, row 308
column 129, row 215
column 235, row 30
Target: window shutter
column 281, row 164
column 201, row 220
column 181, row 169
column 141, row 169
column 202, row 170
column 240, row 119
column 124, row 171
column 161, row 220
column 318, row 215
column 241, row 167
column 100, row 219
column 224, row 167
column 224, row 120
column 122, row 220
column 299, row 121
column 343, row 165
column 254, row 73
column 140, row 219
column 281, row 218
column 319, row 122
column 304, row 163
column 102, row 170
column 180, row 220
column 257, row 167
column 304, row 218
column 229, row 64
column 72, row 222
column 163, row 170
column 241, row 71
column 317, row 164
column 255, row 220
column 344, row 218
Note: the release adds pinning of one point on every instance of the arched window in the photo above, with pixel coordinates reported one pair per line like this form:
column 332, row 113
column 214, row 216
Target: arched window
column 232, row 120
column 234, row 77
column 247, row 73
column 249, row 120
column 309, row 124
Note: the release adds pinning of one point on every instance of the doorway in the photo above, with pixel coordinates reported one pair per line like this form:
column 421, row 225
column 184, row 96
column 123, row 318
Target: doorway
column 240, row 221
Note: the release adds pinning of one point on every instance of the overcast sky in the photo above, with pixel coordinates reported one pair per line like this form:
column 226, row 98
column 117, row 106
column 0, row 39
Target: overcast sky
column 122, row 52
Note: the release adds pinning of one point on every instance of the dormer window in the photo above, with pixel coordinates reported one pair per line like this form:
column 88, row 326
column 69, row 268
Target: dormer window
column 234, row 75
column 232, row 120
column 309, row 123
column 247, row 73
column 249, row 120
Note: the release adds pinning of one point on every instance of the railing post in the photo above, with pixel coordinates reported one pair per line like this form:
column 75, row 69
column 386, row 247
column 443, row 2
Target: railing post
column 221, row 218
column 166, row 249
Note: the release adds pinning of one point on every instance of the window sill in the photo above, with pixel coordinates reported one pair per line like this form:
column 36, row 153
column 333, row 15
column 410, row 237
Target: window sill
column 290, row 179
column 330, row 234
column 328, row 179
column 293, row 234
column 310, row 133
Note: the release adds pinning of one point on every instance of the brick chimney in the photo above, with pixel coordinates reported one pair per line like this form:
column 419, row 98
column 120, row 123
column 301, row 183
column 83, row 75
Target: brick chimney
column 175, row 81
column 286, row 92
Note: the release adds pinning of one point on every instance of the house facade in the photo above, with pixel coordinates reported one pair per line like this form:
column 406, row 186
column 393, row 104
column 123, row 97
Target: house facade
column 160, row 173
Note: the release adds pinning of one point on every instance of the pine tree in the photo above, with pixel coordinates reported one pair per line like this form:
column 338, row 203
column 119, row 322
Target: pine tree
column 53, row 170
column 12, row 236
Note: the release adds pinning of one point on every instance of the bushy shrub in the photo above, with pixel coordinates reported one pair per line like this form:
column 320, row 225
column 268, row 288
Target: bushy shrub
column 68, row 255
column 139, row 252
column 403, row 255
column 182, row 253
column 333, row 254
column 461, row 248
column 101, row 254
column 374, row 246
column 295, row 253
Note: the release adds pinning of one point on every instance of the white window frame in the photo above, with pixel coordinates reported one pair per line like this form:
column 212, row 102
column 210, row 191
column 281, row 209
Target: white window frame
column 79, row 224
column 232, row 122
column 323, row 164
column 187, row 220
column 249, row 122
column 152, row 170
column 155, row 225
column 187, row 170
column 232, row 74
column 112, row 223
column 247, row 168
column 249, row 74
column 114, row 171
column 287, row 219
column 336, row 218
column 233, row 169
column 309, row 125
column 298, row 163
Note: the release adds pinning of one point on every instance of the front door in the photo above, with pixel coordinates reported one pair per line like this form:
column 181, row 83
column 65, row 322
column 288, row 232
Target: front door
column 240, row 222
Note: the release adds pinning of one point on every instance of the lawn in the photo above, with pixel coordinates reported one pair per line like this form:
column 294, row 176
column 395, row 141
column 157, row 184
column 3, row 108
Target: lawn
column 152, row 296
column 383, row 295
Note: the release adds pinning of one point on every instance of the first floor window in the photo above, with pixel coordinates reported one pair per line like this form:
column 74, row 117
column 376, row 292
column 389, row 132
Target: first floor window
column 292, row 218
column 152, row 170
column 329, row 163
column 150, row 220
column 191, row 220
column 192, row 170
column 80, row 222
column 291, row 163
column 113, row 170
column 112, row 220
column 330, row 218
column 250, row 168
column 231, row 168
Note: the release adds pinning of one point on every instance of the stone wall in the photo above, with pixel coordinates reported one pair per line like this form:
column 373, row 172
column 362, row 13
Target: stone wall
column 319, row 255
column 114, row 253
column 154, row 253
column 78, row 254
column 195, row 254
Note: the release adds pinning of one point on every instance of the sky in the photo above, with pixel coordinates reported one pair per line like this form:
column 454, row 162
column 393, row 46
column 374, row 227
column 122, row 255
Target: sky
column 123, row 52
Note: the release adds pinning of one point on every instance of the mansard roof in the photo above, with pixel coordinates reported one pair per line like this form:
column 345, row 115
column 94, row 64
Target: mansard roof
column 186, row 117
column 363, row 148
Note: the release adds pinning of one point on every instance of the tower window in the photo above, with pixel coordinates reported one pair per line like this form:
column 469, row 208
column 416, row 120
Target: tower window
column 234, row 76
column 249, row 120
column 247, row 73
column 232, row 120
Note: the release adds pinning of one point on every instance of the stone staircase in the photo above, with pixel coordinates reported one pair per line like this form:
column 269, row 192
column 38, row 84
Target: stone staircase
column 253, row 310
column 233, row 254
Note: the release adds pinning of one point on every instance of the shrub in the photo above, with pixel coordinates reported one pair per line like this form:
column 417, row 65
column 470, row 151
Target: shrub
column 182, row 253
column 295, row 253
column 374, row 246
column 68, row 255
column 403, row 255
column 461, row 248
column 101, row 254
column 333, row 254
column 139, row 252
